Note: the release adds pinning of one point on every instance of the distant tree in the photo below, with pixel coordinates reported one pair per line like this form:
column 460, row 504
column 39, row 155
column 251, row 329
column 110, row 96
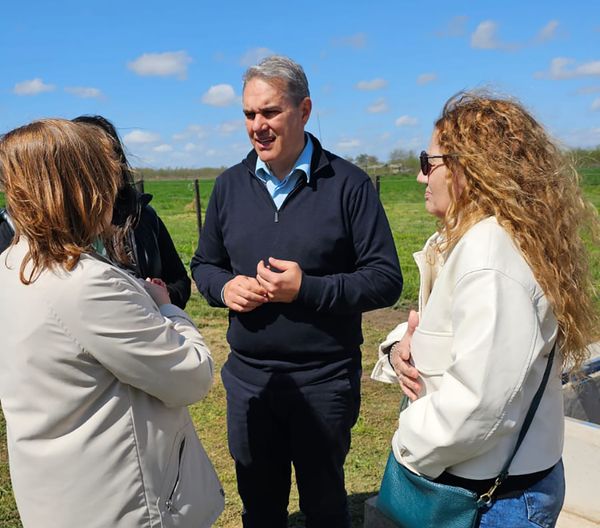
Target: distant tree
column 178, row 173
column 586, row 157
column 366, row 160
column 404, row 160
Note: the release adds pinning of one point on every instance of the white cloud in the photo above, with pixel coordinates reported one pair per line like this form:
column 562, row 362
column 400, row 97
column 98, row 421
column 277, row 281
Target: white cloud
column 377, row 107
column 163, row 148
column 558, row 69
column 195, row 131
column 32, row 87
column 229, row 127
column 426, row 78
column 254, row 56
column 586, row 90
column 596, row 104
column 191, row 147
column 348, row 144
column 485, row 37
column 406, row 120
column 220, row 95
column 548, row 32
column 169, row 63
column 589, row 68
column 85, row 92
column 456, row 27
column 359, row 40
column 375, row 84
column 141, row 137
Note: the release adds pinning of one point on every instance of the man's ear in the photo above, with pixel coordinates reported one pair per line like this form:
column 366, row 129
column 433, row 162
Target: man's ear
column 306, row 108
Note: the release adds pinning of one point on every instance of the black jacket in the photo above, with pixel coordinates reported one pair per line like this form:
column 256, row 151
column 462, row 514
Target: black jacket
column 154, row 252
column 156, row 256
column 6, row 230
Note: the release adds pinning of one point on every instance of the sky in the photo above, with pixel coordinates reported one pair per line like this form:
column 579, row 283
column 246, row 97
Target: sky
column 169, row 74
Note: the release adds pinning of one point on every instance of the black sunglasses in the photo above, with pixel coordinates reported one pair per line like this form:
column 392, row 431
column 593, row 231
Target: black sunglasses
column 425, row 165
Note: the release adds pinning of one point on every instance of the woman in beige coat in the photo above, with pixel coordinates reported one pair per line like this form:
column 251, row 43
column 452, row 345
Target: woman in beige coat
column 96, row 367
column 503, row 281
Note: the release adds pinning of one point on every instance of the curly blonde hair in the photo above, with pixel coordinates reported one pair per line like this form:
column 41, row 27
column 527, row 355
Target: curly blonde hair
column 61, row 179
column 515, row 172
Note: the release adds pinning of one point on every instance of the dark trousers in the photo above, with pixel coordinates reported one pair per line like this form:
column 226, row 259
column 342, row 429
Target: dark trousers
column 271, row 427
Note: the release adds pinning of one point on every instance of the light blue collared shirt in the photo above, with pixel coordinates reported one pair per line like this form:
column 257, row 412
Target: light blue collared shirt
column 279, row 190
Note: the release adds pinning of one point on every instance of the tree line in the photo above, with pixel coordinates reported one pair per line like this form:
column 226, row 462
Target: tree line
column 400, row 161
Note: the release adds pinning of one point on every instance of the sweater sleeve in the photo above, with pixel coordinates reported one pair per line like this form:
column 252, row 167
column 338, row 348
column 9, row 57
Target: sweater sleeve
column 173, row 271
column 479, row 399
column 211, row 267
column 376, row 281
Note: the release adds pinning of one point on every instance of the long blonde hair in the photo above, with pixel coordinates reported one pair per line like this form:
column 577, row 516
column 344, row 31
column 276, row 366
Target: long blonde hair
column 515, row 172
column 61, row 179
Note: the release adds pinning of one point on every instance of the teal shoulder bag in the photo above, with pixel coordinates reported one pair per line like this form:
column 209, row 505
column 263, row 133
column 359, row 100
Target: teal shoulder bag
column 413, row 501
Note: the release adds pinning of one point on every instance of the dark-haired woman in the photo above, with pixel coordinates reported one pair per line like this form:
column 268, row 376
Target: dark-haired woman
column 141, row 241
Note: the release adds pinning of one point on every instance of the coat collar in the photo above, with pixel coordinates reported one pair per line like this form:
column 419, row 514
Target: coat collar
column 318, row 161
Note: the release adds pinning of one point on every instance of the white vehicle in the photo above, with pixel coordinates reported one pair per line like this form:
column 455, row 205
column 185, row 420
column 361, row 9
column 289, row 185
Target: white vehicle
column 581, row 454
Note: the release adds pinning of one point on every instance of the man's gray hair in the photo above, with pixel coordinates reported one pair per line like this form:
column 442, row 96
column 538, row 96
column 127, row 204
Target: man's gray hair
column 284, row 68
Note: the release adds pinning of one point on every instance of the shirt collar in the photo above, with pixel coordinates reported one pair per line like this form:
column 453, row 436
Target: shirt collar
column 262, row 170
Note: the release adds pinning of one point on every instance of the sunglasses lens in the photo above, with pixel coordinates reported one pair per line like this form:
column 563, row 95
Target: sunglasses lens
column 424, row 163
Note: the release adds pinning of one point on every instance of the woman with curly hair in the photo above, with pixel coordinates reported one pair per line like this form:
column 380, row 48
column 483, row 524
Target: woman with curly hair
column 504, row 281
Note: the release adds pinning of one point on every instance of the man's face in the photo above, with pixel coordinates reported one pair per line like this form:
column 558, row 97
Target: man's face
column 274, row 124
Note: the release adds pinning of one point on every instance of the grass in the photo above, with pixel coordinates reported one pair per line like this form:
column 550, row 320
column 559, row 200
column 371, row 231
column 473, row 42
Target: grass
column 402, row 198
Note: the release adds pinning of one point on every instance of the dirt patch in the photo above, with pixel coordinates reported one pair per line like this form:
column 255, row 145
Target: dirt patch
column 385, row 319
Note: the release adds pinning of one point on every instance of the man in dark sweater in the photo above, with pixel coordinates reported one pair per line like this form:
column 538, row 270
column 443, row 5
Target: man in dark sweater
column 296, row 244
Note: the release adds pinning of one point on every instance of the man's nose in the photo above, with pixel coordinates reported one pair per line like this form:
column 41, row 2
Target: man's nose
column 259, row 122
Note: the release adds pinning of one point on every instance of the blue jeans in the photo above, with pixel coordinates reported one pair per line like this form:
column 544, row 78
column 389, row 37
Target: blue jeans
column 538, row 506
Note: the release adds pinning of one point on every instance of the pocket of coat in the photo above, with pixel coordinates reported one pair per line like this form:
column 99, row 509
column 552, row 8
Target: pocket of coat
column 169, row 506
column 431, row 352
column 192, row 495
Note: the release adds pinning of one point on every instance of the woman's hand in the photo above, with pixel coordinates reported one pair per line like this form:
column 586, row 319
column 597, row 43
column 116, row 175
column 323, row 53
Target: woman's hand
column 157, row 289
column 400, row 359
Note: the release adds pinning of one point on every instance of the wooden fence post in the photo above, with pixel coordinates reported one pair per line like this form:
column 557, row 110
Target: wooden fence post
column 139, row 185
column 198, row 205
column 378, row 184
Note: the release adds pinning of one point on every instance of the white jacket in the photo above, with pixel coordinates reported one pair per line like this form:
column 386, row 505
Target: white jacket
column 94, row 384
column 481, row 348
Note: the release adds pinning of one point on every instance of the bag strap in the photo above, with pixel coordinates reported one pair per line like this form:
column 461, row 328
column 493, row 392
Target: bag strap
column 486, row 498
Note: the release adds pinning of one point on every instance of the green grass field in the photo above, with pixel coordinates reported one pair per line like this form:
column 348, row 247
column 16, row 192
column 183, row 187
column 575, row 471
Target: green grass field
column 402, row 198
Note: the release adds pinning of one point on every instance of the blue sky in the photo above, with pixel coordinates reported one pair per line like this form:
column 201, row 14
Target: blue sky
column 168, row 74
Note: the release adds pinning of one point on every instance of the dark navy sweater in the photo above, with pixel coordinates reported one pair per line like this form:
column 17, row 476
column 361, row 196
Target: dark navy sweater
column 334, row 227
